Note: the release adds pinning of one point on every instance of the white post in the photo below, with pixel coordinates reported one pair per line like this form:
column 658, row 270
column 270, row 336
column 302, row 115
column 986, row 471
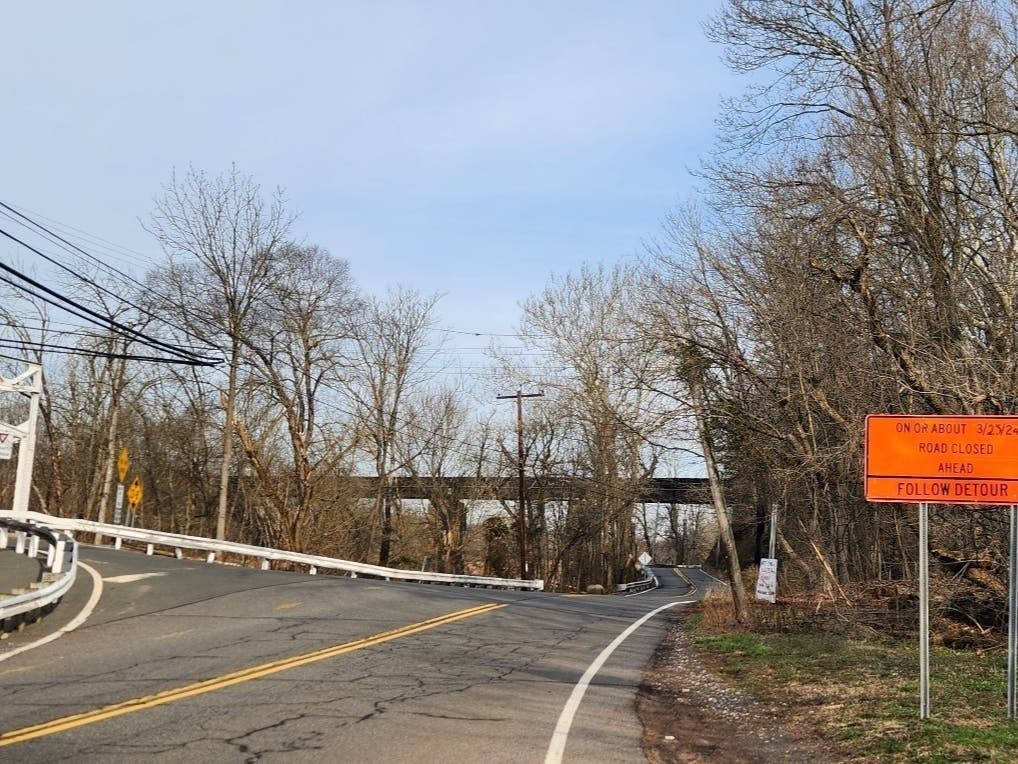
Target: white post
column 26, row 434
column 58, row 557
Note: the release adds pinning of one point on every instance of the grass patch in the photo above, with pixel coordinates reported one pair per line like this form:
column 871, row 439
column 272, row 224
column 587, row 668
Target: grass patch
column 863, row 694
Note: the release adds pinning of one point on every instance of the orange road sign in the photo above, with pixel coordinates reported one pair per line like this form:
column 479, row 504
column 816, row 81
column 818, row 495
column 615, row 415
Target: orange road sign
column 134, row 493
column 942, row 459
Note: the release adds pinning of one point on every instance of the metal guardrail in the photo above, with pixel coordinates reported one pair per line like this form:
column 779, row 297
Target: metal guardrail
column 211, row 547
column 58, row 576
column 648, row 581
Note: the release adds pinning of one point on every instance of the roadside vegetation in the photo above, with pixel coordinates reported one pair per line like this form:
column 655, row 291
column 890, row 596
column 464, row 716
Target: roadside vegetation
column 857, row 689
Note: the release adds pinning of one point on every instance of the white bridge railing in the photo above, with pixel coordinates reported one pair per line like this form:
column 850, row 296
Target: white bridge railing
column 59, row 570
column 314, row 563
column 647, row 581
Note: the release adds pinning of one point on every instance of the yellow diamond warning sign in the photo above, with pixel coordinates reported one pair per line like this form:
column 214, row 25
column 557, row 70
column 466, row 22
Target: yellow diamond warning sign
column 134, row 493
column 123, row 464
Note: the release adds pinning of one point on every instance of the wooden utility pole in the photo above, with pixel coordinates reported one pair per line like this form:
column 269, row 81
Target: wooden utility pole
column 521, row 507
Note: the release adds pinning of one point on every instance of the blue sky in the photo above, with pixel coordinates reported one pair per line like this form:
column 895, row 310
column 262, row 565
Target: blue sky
column 468, row 148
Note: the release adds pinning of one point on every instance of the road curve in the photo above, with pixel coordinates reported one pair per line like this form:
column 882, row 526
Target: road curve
column 186, row 661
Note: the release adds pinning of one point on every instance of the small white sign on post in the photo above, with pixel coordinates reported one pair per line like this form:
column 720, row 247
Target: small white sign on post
column 118, row 506
column 767, row 580
column 6, row 445
column 645, row 559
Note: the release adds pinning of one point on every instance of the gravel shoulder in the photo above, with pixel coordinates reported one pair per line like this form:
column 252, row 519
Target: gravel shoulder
column 690, row 715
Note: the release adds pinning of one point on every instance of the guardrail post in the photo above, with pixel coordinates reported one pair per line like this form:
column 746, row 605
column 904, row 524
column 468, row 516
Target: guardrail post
column 210, row 557
column 117, row 542
column 19, row 544
column 3, row 538
column 178, row 553
column 57, row 565
column 313, row 571
column 33, row 546
column 265, row 563
column 148, row 549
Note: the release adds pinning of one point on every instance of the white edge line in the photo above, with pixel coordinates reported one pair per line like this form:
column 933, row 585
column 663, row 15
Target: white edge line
column 130, row 578
column 637, row 594
column 97, row 590
column 714, row 578
column 565, row 720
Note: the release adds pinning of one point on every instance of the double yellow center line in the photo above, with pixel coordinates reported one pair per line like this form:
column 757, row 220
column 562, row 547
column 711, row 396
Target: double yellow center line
column 227, row 680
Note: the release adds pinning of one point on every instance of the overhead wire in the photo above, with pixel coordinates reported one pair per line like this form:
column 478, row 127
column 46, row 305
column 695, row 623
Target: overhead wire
column 49, row 347
column 117, row 250
column 52, row 297
column 22, row 219
column 18, row 215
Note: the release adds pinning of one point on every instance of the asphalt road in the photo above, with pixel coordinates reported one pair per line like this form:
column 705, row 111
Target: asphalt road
column 184, row 661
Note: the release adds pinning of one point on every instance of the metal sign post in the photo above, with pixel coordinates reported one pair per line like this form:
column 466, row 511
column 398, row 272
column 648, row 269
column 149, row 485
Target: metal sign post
column 1012, row 614
column 134, row 496
column 123, row 465
column 772, row 546
column 946, row 459
column 924, row 611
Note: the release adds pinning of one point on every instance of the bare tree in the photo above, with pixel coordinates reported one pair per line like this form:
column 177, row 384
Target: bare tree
column 295, row 350
column 592, row 380
column 390, row 358
column 220, row 237
column 176, row 432
column 866, row 263
column 434, row 450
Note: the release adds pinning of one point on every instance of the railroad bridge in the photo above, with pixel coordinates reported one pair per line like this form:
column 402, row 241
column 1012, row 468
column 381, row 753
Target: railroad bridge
column 667, row 490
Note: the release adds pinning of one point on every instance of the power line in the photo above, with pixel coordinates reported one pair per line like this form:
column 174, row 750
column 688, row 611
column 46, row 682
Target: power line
column 118, row 250
column 58, row 300
column 49, row 347
column 70, row 247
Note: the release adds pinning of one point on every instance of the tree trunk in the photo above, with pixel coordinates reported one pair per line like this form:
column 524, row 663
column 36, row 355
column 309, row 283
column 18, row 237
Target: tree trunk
column 718, row 496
